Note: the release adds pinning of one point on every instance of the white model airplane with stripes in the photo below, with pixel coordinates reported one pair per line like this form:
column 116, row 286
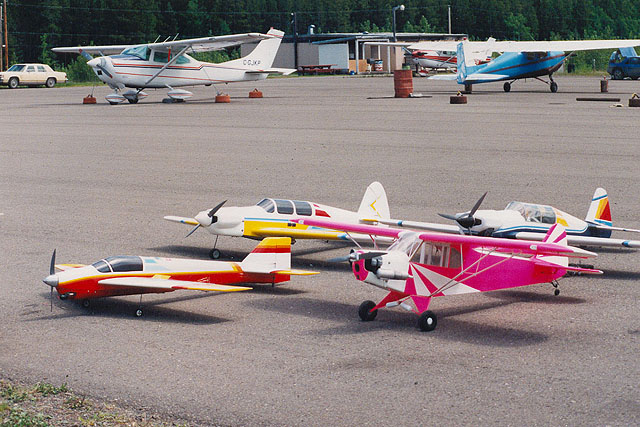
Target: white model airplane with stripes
column 167, row 64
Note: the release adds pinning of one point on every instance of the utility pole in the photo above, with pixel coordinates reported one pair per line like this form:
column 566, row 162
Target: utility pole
column 295, row 38
column 6, row 38
column 1, row 38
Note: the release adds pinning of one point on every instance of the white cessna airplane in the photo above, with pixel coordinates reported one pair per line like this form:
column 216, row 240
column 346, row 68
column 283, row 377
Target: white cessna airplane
column 167, row 65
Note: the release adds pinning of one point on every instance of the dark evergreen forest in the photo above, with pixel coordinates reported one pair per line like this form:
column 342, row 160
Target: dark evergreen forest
column 37, row 25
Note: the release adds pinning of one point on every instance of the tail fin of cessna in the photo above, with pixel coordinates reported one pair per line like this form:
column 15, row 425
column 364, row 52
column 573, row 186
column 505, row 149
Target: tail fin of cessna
column 374, row 203
column 599, row 212
column 261, row 58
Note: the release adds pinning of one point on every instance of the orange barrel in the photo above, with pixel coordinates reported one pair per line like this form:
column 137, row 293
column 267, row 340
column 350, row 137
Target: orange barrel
column 604, row 85
column 222, row 98
column 403, row 83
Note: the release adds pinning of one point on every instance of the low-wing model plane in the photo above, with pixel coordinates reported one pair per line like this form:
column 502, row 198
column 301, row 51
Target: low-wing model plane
column 272, row 217
column 269, row 262
column 520, row 60
column 530, row 221
column 167, row 64
column 419, row 266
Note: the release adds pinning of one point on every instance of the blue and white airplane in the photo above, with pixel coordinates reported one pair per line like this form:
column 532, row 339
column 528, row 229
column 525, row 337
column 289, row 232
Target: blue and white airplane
column 521, row 60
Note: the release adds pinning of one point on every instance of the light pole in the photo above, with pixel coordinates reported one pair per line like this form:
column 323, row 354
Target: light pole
column 401, row 7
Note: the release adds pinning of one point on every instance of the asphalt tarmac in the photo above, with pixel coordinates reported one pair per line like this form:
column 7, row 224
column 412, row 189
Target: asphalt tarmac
column 96, row 180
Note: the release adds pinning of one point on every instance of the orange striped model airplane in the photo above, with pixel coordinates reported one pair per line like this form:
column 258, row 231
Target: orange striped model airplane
column 269, row 262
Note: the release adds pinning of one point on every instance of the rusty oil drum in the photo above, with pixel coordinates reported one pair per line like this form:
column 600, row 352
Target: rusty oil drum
column 403, row 83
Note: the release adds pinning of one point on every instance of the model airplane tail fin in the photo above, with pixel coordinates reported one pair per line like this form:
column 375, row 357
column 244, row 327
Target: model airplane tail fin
column 261, row 58
column 271, row 255
column 374, row 203
column 558, row 235
column 599, row 212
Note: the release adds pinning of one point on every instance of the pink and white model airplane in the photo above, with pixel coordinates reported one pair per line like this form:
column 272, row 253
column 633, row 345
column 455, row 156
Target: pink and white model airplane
column 419, row 266
column 269, row 262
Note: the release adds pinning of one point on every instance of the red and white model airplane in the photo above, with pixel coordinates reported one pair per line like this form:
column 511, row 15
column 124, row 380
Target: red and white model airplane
column 269, row 262
column 419, row 266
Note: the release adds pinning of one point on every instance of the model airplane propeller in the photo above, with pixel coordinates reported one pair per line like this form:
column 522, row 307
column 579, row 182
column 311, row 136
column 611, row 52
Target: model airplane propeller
column 466, row 220
column 206, row 218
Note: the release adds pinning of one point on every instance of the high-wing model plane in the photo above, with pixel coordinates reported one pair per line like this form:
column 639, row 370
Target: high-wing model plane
column 419, row 266
column 167, row 64
column 269, row 262
column 272, row 217
column 521, row 60
column 530, row 221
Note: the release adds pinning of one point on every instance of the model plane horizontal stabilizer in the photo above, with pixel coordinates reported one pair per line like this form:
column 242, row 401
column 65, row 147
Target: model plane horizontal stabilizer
column 160, row 283
column 296, row 234
column 543, row 263
column 585, row 240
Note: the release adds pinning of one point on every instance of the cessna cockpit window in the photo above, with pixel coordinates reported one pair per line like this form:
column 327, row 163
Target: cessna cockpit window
column 101, row 266
column 303, row 208
column 267, row 205
column 141, row 52
column 125, row 263
column 164, row 57
column 284, row 206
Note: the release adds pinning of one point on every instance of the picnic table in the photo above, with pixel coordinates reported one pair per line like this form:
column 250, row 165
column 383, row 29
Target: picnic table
column 317, row 69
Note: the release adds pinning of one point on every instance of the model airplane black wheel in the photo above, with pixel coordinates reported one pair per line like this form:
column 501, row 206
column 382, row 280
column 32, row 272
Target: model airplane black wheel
column 139, row 313
column 507, row 86
column 215, row 254
column 427, row 321
column 556, row 292
column 86, row 303
column 554, row 87
column 365, row 311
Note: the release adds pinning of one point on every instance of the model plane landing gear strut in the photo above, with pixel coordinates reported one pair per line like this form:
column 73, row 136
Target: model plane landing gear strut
column 215, row 253
column 556, row 285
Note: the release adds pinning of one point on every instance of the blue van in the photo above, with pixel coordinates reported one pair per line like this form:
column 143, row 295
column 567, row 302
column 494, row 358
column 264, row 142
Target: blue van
column 624, row 62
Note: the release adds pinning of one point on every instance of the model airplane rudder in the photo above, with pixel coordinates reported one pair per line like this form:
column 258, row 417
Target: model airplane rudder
column 599, row 210
column 272, row 254
column 374, row 202
column 558, row 235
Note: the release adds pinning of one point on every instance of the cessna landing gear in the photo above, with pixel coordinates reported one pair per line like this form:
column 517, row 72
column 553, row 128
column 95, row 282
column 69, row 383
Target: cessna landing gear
column 427, row 321
column 553, row 87
column 555, row 284
column 365, row 311
column 507, row 87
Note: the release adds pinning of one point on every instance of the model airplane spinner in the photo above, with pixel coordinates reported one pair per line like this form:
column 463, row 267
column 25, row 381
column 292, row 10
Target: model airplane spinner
column 167, row 65
column 530, row 221
column 519, row 60
column 272, row 217
column 419, row 266
column 269, row 262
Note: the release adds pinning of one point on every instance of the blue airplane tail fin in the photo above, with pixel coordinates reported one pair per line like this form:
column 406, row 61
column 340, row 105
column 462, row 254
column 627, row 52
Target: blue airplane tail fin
column 464, row 67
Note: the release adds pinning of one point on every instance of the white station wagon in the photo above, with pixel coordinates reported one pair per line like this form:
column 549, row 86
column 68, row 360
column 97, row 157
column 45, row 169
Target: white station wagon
column 31, row 75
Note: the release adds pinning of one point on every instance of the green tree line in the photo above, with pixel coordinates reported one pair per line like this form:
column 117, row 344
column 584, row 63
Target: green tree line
column 37, row 25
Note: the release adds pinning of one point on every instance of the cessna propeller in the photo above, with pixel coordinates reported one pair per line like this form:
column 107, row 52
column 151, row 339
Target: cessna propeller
column 206, row 219
column 466, row 220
